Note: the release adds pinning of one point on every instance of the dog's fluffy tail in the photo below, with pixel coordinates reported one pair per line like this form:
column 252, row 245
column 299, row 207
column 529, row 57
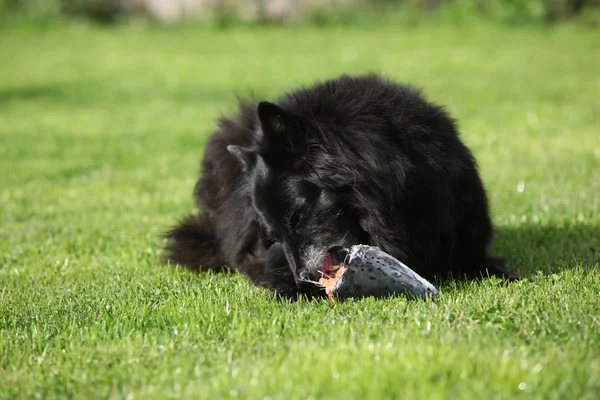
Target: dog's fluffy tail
column 194, row 245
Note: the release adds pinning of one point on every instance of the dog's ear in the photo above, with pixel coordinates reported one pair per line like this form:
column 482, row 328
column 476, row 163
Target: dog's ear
column 279, row 126
column 245, row 156
column 274, row 120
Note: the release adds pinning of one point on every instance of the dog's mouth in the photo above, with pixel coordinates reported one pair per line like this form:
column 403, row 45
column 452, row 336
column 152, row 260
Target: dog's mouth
column 334, row 258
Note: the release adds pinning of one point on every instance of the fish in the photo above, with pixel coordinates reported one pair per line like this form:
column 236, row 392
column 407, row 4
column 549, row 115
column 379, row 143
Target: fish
column 369, row 271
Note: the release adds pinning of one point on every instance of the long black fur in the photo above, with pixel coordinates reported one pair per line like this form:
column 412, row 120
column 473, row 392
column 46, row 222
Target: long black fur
column 345, row 161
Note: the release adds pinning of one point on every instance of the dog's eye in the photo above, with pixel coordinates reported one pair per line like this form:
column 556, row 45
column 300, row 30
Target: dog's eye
column 310, row 191
column 296, row 217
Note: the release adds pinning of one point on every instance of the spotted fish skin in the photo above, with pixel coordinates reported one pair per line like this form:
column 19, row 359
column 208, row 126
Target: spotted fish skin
column 374, row 273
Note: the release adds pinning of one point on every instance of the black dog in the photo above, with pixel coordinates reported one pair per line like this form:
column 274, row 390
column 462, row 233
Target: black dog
column 286, row 187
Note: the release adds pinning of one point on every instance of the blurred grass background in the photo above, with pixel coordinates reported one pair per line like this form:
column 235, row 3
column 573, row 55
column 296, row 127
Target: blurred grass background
column 103, row 120
column 319, row 12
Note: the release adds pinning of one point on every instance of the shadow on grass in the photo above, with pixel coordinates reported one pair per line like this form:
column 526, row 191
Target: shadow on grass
column 549, row 249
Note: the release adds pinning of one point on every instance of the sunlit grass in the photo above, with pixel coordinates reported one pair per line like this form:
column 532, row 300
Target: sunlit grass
column 101, row 133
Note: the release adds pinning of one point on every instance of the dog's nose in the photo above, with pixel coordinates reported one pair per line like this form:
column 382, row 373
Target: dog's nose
column 304, row 276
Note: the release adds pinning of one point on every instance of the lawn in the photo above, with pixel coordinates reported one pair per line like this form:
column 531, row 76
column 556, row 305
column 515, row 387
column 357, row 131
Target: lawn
column 101, row 133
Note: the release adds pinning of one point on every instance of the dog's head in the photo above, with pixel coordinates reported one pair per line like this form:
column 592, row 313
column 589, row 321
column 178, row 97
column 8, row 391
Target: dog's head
column 305, row 185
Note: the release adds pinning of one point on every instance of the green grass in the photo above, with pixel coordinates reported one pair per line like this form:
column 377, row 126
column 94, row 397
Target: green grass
column 101, row 132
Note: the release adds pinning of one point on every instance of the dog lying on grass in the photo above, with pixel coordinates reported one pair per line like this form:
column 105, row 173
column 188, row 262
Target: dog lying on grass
column 286, row 186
